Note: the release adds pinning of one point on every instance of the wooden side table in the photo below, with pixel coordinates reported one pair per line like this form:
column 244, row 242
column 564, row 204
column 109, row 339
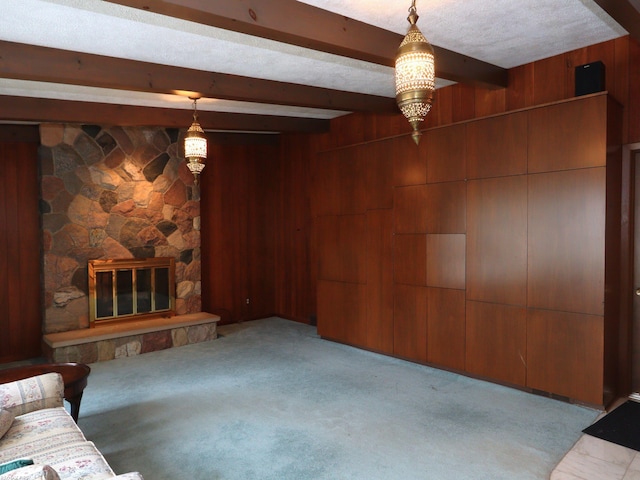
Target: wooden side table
column 74, row 376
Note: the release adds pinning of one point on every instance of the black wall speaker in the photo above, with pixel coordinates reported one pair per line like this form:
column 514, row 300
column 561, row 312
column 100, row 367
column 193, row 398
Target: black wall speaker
column 589, row 78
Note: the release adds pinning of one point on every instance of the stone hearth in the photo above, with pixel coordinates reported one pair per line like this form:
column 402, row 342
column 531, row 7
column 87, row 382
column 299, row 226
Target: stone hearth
column 126, row 339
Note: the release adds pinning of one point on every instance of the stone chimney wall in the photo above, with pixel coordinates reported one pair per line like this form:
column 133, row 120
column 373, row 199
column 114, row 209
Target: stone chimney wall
column 113, row 192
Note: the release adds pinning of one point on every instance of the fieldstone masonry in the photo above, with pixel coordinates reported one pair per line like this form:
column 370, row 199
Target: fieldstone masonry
column 114, row 192
column 130, row 345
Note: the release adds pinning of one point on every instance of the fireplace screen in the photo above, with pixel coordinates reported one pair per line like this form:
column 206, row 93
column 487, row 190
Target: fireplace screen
column 122, row 289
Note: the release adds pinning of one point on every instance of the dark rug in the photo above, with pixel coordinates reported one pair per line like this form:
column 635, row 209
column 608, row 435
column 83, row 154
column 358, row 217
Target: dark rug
column 620, row 426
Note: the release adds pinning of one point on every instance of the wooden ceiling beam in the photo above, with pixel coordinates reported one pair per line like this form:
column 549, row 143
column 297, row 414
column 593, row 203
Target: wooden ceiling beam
column 28, row 109
column 300, row 24
column 62, row 66
column 625, row 13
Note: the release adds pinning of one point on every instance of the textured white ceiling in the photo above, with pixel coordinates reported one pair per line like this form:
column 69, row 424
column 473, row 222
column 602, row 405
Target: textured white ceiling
column 503, row 32
column 506, row 33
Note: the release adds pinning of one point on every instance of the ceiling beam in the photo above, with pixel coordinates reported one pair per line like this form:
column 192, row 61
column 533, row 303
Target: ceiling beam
column 62, row 66
column 623, row 12
column 28, row 109
column 19, row 133
column 297, row 23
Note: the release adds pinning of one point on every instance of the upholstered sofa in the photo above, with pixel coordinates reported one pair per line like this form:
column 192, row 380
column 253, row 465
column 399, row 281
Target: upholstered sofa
column 40, row 440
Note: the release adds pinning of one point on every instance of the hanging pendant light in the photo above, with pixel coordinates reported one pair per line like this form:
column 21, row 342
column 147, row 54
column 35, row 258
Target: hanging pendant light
column 195, row 145
column 415, row 75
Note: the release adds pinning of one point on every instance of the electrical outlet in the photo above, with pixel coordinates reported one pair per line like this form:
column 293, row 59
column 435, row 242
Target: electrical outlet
column 247, row 301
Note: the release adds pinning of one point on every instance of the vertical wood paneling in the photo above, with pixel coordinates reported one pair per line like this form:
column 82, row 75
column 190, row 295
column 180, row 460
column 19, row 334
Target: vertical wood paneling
column 445, row 154
column 409, row 160
column 497, row 342
column 20, row 317
column 238, row 243
column 490, row 101
column 379, row 176
column 497, row 240
column 497, row 146
column 379, row 328
column 342, row 183
column 565, row 354
column 550, row 80
column 6, row 203
column 326, row 178
column 224, row 238
column 341, row 241
column 224, row 232
column 520, row 91
column 568, row 135
column 295, row 270
column 620, row 89
column 261, row 219
column 446, row 261
column 463, row 104
column 410, row 322
column 411, row 207
column 342, row 311
column 410, row 259
column 352, row 179
column 446, row 328
column 447, row 207
column 633, row 105
column 567, row 240
column 433, row 208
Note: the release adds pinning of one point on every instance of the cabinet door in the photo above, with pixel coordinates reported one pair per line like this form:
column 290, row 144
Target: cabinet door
column 497, row 146
column 497, row 240
column 565, row 354
column 410, row 259
column 445, row 154
column 341, row 311
column 446, row 327
column 568, row 135
column 446, row 261
column 497, row 342
column 567, row 240
column 379, row 327
column 410, row 322
column 341, row 244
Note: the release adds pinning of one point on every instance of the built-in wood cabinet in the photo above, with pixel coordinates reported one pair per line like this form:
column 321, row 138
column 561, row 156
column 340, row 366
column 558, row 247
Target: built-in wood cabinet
column 483, row 249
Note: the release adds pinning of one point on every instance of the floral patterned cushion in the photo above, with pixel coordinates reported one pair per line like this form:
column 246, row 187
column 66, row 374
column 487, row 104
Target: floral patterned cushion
column 82, row 460
column 32, row 472
column 24, row 396
column 6, row 419
column 36, row 432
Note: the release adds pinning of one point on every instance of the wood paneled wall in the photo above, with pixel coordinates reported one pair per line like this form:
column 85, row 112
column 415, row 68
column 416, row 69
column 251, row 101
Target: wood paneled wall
column 489, row 259
column 238, row 199
column 20, row 251
column 545, row 81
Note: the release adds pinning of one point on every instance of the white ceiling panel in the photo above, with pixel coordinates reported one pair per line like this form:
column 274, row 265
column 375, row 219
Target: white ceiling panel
column 505, row 33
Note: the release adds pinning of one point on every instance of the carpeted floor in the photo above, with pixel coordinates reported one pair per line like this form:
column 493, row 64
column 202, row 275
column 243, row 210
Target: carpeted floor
column 271, row 400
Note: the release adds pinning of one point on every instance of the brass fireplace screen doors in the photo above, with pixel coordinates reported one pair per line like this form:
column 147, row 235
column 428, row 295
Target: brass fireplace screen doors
column 131, row 288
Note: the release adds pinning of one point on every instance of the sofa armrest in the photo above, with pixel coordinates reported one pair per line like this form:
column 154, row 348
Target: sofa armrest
column 128, row 476
column 31, row 472
column 34, row 393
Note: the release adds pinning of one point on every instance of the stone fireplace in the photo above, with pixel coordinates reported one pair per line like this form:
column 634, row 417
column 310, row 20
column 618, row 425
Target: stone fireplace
column 113, row 193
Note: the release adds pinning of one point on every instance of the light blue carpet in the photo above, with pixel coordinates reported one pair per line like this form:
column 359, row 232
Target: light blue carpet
column 271, row 400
